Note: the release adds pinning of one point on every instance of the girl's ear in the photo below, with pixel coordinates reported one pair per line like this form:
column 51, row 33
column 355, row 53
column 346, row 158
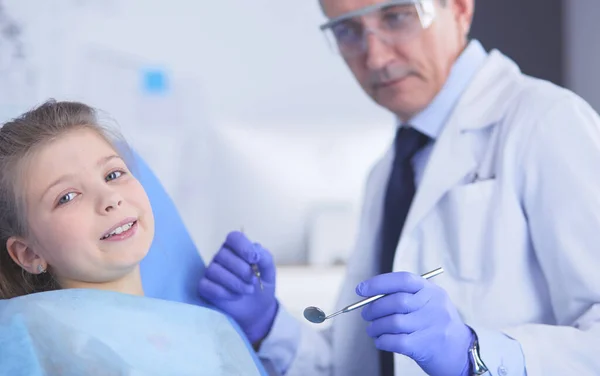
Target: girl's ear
column 24, row 256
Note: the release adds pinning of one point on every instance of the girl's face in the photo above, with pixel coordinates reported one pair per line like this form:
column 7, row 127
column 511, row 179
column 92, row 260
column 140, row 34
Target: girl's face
column 89, row 218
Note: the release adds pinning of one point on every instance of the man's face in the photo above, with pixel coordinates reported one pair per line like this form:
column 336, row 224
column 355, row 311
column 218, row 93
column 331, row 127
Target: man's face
column 402, row 65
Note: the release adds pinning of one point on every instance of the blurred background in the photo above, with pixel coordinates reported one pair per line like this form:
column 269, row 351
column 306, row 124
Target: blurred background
column 244, row 113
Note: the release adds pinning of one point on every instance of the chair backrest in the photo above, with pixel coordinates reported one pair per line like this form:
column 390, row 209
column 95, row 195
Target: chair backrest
column 173, row 266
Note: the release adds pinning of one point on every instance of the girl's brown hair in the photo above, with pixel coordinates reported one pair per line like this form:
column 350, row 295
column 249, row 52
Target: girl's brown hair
column 19, row 138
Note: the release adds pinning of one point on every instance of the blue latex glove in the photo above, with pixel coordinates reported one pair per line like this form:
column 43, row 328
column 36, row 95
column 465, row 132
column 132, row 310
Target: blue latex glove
column 230, row 284
column 417, row 320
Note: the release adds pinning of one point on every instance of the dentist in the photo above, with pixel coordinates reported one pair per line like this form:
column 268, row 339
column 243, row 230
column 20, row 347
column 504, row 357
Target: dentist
column 492, row 174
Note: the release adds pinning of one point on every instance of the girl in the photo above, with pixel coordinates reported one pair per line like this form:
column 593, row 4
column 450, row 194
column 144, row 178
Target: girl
column 72, row 214
column 73, row 218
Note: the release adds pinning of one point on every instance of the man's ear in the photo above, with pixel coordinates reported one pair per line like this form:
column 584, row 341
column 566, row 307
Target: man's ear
column 24, row 256
column 463, row 10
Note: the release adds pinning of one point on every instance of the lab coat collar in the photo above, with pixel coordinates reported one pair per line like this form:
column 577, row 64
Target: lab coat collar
column 452, row 159
column 479, row 107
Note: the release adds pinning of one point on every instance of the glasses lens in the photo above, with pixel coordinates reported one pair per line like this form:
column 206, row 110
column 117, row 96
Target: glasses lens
column 346, row 37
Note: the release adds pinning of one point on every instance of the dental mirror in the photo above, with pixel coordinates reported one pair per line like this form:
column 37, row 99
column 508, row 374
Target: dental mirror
column 317, row 316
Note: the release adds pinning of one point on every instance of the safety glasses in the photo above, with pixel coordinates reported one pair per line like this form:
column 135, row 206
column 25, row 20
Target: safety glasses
column 393, row 22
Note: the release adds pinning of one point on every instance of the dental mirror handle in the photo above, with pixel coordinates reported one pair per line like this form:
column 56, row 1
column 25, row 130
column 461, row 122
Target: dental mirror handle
column 371, row 299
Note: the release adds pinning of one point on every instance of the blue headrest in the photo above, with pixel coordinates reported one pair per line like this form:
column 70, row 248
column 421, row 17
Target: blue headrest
column 173, row 267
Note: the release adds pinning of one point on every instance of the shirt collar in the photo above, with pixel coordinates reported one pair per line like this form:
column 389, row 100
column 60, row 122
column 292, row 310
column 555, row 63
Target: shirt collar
column 431, row 120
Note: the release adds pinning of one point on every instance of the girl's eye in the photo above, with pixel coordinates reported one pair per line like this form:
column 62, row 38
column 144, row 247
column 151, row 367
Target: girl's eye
column 114, row 175
column 66, row 198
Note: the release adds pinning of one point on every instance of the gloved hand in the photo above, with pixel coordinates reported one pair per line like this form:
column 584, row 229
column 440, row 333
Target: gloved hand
column 230, row 284
column 417, row 320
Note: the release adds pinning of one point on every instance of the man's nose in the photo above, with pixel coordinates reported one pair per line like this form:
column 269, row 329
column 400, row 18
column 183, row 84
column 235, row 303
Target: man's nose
column 379, row 53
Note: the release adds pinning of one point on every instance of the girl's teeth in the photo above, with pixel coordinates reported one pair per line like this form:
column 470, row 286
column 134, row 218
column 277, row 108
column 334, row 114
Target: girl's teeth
column 120, row 230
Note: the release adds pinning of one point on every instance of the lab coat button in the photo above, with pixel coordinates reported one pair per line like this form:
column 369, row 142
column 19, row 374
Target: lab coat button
column 502, row 371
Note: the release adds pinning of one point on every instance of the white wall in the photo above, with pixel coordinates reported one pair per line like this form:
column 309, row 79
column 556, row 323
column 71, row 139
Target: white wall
column 582, row 49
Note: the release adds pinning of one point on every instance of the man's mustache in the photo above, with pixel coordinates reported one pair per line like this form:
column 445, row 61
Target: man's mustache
column 389, row 74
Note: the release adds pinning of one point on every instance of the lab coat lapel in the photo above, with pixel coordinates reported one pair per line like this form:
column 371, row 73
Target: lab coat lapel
column 450, row 161
column 452, row 157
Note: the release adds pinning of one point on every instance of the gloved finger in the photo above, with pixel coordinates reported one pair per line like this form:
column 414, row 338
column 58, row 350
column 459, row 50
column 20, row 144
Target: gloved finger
column 400, row 302
column 390, row 283
column 396, row 324
column 266, row 265
column 235, row 264
column 397, row 343
column 212, row 291
column 241, row 246
column 221, row 276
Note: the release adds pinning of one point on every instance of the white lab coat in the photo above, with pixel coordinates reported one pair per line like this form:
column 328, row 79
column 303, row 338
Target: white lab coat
column 509, row 205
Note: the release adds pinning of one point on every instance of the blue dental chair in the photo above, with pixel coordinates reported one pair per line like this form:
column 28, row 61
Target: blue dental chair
column 173, row 266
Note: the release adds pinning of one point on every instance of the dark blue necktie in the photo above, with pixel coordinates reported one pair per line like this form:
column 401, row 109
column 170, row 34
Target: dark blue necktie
column 398, row 198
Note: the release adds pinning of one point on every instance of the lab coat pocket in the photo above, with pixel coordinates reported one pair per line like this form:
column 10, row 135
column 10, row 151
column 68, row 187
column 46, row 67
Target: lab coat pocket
column 466, row 216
